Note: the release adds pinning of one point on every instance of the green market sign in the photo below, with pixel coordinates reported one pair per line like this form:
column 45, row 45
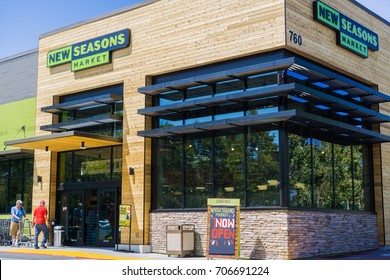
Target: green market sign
column 90, row 53
column 350, row 34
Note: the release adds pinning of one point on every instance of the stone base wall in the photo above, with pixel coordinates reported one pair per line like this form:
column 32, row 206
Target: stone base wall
column 319, row 233
column 279, row 234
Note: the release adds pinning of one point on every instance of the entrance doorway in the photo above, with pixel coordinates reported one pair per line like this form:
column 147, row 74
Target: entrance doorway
column 89, row 217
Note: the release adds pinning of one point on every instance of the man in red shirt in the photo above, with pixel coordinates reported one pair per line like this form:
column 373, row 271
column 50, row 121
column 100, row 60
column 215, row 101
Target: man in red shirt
column 40, row 223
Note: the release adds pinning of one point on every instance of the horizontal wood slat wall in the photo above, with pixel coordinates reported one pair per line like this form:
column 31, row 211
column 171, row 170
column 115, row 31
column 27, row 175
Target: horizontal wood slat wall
column 168, row 35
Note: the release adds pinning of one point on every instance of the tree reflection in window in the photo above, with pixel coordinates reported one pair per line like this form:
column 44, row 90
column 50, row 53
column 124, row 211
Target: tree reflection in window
column 199, row 172
column 323, row 174
column 300, row 171
column 262, row 155
column 334, row 175
column 169, row 179
column 229, row 167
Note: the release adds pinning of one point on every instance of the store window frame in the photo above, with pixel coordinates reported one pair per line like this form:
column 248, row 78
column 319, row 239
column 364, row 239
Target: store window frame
column 317, row 91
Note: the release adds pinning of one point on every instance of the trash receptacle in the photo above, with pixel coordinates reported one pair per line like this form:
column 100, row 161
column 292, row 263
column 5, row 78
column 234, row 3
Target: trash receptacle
column 180, row 240
column 59, row 236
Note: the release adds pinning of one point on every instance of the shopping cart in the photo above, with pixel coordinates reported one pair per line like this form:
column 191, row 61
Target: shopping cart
column 26, row 238
column 5, row 227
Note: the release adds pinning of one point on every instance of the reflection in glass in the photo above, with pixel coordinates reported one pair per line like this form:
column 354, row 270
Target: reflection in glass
column 199, row 172
column 199, row 92
column 16, row 181
column 113, row 129
column 343, row 177
column 91, row 165
column 262, row 106
column 229, row 86
column 300, row 171
column 262, row 155
column 170, row 97
column 360, row 182
column 106, row 214
column 229, row 111
column 174, row 119
column 262, row 80
column 198, row 115
column 323, row 174
column 75, row 217
column 169, row 178
column 229, row 167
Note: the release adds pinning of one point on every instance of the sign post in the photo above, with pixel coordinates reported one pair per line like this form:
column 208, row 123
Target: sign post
column 125, row 219
column 223, row 228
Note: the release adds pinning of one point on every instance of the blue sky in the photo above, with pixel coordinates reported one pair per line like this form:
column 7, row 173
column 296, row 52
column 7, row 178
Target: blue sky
column 22, row 21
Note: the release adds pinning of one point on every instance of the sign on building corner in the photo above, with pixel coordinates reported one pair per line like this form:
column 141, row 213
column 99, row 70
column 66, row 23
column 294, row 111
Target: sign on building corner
column 350, row 34
column 90, row 53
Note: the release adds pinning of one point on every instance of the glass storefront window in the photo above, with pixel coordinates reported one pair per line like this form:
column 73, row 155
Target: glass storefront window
column 300, row 171
column 262, row 80
column 92, row 165
column 262, row 155
column 334, row 175
column 199, row 92
column 244, row 162
column 170, row 97
column 93, row 109
column 174, row 119
column 198, row 115
column 3, row 196
column 229, row 111
column 262, row 106
column 229, row 86
column 117, row 164
column 360, row 168
column 323, row 174
column 229, row 167
column 170, row 176
column 198, row 172
column 343, row 177
column 16, row 180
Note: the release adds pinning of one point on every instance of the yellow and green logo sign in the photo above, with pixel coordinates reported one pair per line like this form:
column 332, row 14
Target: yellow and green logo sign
column 350, row 34
column 90, row 53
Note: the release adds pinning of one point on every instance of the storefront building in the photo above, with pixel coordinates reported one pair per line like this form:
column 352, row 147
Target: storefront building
column 18, row 89
column 282, row 104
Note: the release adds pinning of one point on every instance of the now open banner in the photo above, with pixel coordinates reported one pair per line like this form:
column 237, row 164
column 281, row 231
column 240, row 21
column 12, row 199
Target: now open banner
column 223, row 228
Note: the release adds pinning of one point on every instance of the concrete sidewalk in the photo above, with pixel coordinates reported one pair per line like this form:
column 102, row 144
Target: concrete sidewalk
column 383, row 253
column 92, row 253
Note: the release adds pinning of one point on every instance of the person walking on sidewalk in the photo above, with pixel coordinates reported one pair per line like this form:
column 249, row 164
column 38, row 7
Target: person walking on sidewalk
column 17, row 214
column 40, row 223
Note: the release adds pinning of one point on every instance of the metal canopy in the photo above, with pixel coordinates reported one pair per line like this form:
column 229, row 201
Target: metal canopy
column 217, row 76
column 315, row 98
column 65, row 141
column 218, row 125
column 334, row 82
column 309, row 72
column 325, row 102
column 274, row 90
column 92, row 121
column 336, row 105
column 82, row 103
column 324, row 125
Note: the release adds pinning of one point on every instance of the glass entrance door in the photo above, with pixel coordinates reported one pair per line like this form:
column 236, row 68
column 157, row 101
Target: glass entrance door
column 106, row 232
column 75, row 217
column 89, row 217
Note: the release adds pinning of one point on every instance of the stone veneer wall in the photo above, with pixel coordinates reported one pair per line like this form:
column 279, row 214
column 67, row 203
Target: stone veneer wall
column 279, row 234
